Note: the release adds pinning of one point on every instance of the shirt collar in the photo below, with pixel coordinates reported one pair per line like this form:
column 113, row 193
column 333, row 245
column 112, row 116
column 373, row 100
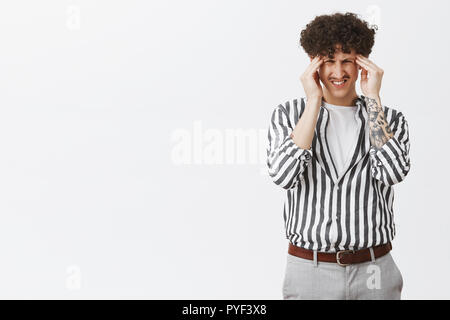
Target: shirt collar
column 359, row 102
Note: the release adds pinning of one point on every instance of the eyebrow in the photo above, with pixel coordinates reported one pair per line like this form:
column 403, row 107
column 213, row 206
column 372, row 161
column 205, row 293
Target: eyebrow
column 326, row 59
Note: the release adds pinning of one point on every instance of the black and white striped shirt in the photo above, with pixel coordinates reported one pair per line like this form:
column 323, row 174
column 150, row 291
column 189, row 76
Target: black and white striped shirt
column 326, row 212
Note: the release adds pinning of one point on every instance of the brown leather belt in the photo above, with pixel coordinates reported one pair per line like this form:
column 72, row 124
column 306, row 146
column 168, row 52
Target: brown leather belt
column 344, row 257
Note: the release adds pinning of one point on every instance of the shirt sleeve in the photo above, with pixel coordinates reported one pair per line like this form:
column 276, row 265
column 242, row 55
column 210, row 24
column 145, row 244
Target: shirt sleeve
column 390, row 164
column 286, row 161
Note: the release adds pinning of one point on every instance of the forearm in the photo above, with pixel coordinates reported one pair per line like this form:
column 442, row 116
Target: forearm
column 303, row 132
column 286, row 160
column 379, row 131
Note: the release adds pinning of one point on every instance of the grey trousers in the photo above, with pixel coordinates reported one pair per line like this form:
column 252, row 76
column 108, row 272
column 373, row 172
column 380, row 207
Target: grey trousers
column 312, row 280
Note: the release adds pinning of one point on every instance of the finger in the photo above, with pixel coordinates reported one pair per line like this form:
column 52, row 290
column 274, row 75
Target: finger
column 361, row 61
column 315, row 64
column 368, row 62
column 366, row 66
column 315, row 61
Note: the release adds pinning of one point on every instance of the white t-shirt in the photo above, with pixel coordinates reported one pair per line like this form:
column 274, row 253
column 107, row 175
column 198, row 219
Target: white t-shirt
column 342, row 134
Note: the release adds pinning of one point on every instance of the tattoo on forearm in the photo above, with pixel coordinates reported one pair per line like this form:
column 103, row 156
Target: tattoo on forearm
column 379, row 128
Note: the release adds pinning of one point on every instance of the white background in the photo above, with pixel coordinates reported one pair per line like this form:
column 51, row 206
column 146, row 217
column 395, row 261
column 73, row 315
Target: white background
column 95, row 204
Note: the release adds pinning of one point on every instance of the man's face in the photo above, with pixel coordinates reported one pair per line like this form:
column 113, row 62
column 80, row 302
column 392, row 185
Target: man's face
column 342, row 67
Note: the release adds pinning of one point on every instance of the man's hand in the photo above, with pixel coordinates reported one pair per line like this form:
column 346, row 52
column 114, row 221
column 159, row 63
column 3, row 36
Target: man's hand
column 371, row 76
column 379, row 131
column 310, row 79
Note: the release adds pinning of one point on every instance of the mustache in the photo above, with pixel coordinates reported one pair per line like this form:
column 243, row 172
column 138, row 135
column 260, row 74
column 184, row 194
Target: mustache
column 335, row 79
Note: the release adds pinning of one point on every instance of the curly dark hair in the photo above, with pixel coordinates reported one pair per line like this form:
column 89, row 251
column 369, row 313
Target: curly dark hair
column 323, row 33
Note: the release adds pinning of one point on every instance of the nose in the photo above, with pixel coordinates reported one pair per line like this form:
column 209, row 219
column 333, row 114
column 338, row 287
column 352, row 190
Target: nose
column 338, row 71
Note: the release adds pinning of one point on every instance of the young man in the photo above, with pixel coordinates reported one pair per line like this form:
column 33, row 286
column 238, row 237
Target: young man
column 338, row 155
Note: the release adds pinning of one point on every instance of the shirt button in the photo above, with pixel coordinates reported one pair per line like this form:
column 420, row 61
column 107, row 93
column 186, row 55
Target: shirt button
column 337, row 188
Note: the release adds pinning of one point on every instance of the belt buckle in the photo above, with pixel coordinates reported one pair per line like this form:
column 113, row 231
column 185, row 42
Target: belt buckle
column 338, row 257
